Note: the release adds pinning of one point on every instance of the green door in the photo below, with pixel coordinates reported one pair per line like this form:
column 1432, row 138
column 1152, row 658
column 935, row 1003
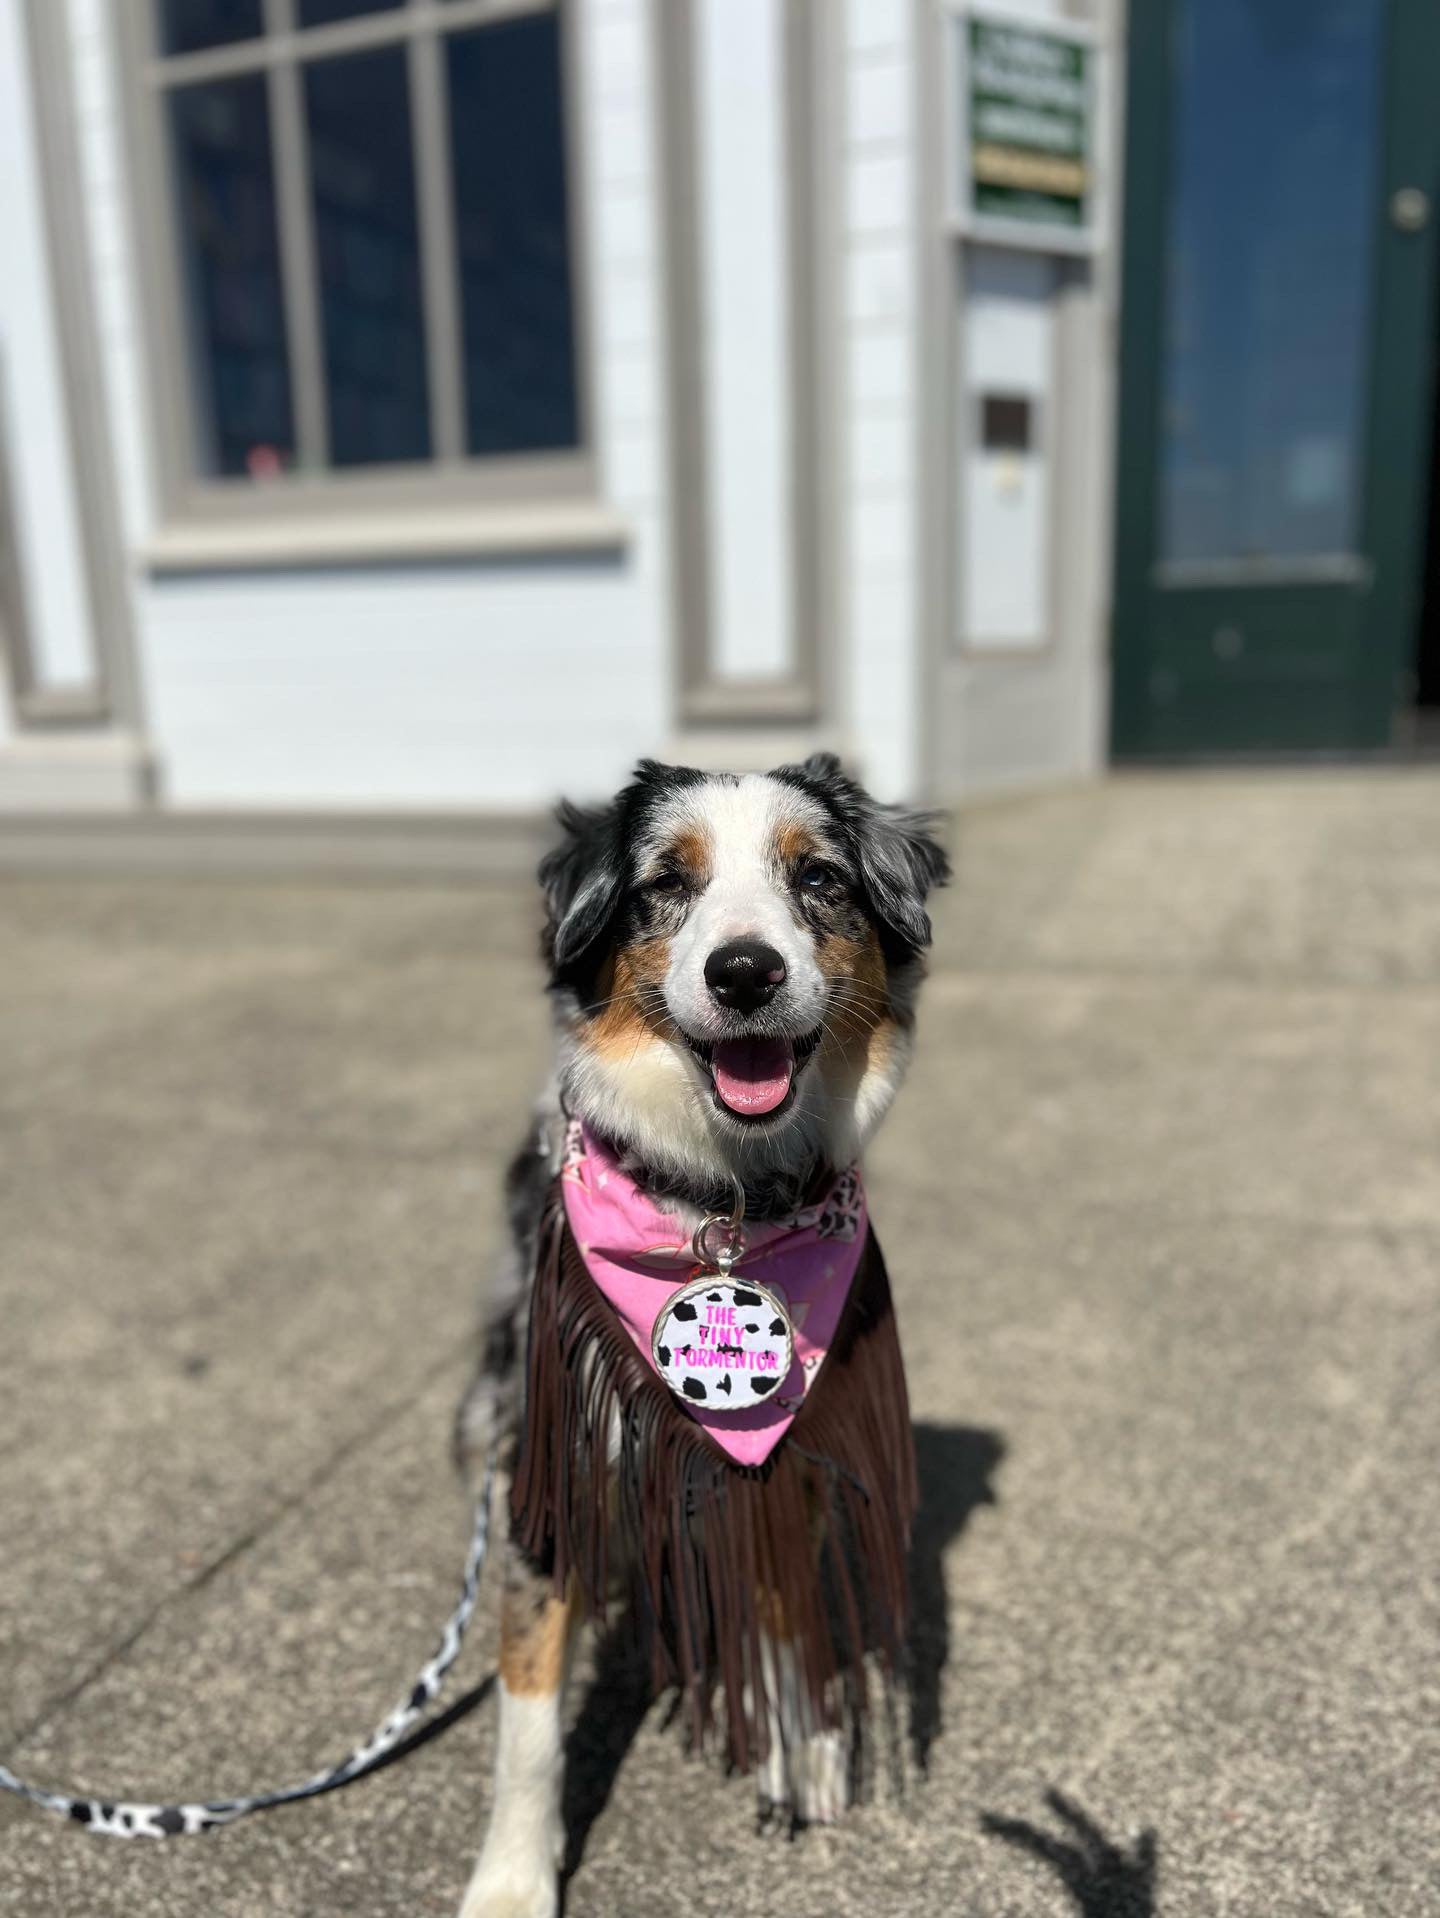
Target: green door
column 1277, row 372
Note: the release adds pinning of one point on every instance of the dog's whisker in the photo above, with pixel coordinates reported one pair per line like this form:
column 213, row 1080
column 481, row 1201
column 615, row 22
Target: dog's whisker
column 854, row 992
column 589, row 1010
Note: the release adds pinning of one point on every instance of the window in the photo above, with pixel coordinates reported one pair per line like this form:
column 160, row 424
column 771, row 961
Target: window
column 367, row 237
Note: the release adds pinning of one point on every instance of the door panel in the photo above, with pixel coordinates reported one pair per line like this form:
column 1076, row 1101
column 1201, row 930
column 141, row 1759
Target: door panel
column 1262, row 276
column 1252, row 669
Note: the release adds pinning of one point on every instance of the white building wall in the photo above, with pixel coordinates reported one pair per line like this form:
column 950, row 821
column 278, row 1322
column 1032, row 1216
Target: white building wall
column 745, row 252
column 43, row 503
column 1021, row 668
column 110, row 239
column 496, row 682
column 880, row 547
column 493, row 683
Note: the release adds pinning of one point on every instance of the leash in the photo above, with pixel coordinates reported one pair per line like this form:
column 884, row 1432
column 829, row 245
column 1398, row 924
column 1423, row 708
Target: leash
column 124, row 1819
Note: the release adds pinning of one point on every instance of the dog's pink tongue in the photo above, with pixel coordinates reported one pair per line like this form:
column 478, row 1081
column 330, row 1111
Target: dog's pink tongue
column 753, row 1075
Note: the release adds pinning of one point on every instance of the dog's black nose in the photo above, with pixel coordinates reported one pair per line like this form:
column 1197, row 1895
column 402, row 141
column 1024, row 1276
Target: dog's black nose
column 744, row 975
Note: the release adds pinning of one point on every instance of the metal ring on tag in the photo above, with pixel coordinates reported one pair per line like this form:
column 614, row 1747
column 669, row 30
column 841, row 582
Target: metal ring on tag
column 711, row 1249
column 729, row 1252
column 723, row 1343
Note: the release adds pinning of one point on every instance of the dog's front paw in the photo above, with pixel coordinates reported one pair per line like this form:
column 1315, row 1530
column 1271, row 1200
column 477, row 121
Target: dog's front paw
column 517, row 1877
column 806, row 1784
column 509, row 1896
column 820, row 1779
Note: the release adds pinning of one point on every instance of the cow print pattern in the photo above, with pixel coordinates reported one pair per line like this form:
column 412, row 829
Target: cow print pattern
column 726, row 1365
column 844, row 1208
column 839, row 1215
column 135, row 1819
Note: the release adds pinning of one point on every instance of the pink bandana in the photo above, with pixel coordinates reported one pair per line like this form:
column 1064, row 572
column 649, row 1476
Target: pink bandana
column 639, row 1256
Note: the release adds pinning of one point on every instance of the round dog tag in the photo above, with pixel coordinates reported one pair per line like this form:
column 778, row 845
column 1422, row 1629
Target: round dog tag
column 723, row 1343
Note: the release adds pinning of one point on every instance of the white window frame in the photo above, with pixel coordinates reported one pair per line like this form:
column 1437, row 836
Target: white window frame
column 334, row 511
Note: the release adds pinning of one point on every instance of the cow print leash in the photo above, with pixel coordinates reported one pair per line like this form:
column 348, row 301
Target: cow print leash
column 117, row 1819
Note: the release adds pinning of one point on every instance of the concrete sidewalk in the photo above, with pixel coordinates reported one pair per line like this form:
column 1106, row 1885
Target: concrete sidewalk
column 1162, row 1203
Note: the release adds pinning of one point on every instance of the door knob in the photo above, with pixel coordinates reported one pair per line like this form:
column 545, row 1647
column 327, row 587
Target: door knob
column 1410, row 209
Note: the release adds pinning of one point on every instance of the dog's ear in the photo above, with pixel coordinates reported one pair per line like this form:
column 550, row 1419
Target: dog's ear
column 824, row 769
column 900, row 859
column 582, row 879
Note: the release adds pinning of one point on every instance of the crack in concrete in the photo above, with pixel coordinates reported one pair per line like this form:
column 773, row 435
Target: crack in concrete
column 57, row 1706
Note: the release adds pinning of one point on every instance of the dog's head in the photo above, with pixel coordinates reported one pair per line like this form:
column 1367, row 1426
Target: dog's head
column 736, row 961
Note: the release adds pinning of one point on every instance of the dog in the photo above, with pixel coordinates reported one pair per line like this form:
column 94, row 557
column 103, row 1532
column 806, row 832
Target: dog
column 733, row 963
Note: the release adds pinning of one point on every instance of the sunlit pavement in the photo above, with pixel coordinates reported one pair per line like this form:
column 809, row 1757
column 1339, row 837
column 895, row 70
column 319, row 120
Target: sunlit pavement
column 1162, row 1204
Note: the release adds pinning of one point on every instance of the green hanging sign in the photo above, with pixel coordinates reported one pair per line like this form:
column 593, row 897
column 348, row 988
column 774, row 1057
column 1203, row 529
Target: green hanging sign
column 1027, row 121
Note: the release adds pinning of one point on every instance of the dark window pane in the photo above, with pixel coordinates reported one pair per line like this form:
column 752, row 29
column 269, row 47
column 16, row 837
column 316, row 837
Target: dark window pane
column 319, row 13
column 225, row 199
column 367, row 240
column 507, row 141
column 1277, row 140
column 188, row 25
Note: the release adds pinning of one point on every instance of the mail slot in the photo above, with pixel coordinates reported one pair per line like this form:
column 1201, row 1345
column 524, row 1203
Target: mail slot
column 1006, row 422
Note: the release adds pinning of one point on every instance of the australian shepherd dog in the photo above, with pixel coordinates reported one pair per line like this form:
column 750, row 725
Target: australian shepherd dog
column 733, row 963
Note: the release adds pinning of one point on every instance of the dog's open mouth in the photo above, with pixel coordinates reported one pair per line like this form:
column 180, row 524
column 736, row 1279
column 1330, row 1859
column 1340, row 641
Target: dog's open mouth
column 754, row 1078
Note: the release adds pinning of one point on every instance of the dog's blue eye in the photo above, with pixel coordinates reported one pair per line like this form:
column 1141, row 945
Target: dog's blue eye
column 814, row 877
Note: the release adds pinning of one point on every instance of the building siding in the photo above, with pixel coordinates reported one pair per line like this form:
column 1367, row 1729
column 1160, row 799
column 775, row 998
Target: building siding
column 493, row 682
column 1034, row 714
column 43, row 504
column 881, row 284
column 490, row 684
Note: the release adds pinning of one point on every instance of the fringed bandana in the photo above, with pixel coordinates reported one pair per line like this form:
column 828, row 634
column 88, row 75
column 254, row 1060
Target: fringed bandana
column 741, row 1346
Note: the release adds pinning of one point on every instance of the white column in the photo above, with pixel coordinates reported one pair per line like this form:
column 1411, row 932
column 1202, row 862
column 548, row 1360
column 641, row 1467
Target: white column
column 883, row 390
column 1007, row 353
column 744, row 255
column 45, row 504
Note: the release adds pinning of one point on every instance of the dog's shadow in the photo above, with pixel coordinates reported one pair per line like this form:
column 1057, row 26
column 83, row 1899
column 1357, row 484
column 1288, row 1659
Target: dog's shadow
column 1104, row 1879
column 955, row 1465
column 620, row 1695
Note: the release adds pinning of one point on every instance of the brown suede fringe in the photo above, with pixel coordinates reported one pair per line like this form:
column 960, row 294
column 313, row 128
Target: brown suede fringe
column 807, row 1550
